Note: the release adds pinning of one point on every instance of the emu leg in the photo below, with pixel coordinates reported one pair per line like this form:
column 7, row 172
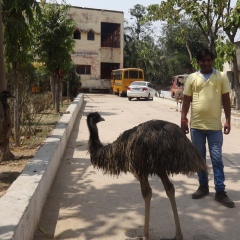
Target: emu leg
column 177, row 107
column 147, row 195
column 170, row 191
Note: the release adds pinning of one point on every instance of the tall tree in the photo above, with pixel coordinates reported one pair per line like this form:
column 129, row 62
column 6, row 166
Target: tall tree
column 17, row 15
column 182, row 41
column 213, row 17
column 140, row 49
column 54, row 43
column 14, row 17
column 3, row 84
column 231, row 24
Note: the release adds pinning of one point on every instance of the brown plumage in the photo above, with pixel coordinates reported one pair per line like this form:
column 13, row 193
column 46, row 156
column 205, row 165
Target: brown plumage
column 179, row 99
column 154, row 147
column 5, row 125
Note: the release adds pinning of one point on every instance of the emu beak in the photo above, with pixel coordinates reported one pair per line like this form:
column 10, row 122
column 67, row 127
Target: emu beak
column 102, row 119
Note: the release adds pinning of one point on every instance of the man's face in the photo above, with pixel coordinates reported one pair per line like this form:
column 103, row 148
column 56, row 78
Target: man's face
column 206, row 64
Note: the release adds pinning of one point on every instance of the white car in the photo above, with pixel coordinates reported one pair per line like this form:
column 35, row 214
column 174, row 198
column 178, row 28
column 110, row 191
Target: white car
column 140, row 89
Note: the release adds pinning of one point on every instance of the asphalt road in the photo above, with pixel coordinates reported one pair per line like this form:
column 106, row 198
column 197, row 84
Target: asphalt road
column 84, row 204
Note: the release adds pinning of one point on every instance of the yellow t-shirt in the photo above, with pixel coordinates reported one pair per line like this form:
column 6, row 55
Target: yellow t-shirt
column 206, row 106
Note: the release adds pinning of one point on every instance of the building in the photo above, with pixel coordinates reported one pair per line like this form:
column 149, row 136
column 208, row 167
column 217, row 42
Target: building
column 98, row 46
column 228, row 68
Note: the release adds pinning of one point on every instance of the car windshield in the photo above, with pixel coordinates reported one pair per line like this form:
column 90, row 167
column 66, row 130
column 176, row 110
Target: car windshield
column 138, row 84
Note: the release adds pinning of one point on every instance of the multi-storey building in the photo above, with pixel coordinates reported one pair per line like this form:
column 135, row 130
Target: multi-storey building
column 228, row 68
column 98, row 45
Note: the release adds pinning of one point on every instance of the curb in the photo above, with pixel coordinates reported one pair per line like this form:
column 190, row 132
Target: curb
column 22, row 204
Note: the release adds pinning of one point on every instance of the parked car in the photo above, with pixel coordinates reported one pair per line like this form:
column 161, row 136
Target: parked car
column 140, row 89
column 178, row 82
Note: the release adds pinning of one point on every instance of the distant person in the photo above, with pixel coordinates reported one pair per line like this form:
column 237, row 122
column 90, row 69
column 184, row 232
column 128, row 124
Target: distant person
column 180, row 82
column 208, row 90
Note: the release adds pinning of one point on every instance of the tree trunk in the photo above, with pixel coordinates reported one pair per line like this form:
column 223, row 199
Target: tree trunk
column 61, row 90
column 16, row 112
column 236, row 80
column 5, row 130
column 52, row 84
column 5, row 119
column 237, row 94
column 5, row 153
column 3, row 84
column 68, row 91
column 57, row 94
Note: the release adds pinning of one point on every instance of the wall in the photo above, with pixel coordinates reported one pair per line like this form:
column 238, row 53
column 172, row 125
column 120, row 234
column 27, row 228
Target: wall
column 87, row 52
column 21, row 206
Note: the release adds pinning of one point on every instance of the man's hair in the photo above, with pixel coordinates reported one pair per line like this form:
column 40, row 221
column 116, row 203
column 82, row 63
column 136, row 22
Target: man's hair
column 204, row 53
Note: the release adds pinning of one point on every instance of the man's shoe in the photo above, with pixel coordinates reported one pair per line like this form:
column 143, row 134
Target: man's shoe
column 224, row 199
column 201, row 192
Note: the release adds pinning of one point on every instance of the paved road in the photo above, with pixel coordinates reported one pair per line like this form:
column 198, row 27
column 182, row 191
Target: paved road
column 84, row 204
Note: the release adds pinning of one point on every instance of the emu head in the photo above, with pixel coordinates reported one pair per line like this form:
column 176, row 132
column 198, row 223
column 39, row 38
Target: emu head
column 4, row 95
column 94, row 118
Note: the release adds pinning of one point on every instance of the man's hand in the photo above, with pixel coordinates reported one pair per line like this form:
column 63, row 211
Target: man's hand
column 184, row 127
column 226, row 128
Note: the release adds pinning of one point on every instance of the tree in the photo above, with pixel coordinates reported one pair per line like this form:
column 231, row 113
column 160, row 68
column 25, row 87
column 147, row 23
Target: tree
column 140, row 49
column 14, row 18
column 213, row 18
column 231, row 24
column 181, row 41
column 54, row 44
column 3, row 85
column 71, row 83
column 17, row 16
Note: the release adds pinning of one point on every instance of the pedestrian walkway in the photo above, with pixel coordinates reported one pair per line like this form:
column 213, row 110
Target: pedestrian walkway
column 84, row 204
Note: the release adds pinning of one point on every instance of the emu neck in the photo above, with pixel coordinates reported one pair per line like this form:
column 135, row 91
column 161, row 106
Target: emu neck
column 94, row 142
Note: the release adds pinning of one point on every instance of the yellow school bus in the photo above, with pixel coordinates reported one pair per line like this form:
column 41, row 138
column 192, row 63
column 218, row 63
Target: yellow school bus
column 122, row 78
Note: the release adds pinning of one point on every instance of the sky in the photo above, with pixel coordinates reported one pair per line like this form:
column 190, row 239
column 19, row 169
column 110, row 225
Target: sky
column 117, row 5
column 124, row 6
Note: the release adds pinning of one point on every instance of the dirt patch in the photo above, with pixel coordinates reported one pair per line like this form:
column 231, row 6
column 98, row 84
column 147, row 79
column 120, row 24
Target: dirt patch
column 10, row 170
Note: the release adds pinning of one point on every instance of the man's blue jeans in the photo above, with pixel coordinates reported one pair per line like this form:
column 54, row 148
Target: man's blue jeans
column 215, row 141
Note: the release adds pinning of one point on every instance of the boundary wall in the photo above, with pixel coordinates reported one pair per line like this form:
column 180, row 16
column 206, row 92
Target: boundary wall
column 22, row 204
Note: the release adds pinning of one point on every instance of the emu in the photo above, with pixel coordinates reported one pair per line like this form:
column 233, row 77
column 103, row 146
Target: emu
column 5, row 125
column 179, row 99
column 154, row 147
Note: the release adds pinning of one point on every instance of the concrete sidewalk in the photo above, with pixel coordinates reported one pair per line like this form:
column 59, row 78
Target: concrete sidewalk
column 84, row 204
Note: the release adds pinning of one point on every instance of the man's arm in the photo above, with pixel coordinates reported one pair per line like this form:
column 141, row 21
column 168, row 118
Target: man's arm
column 227, row 111
column 185, row 107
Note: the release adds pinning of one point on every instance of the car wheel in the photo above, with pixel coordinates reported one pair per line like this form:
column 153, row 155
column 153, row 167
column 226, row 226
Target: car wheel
column 129, row 98
column 148, row 97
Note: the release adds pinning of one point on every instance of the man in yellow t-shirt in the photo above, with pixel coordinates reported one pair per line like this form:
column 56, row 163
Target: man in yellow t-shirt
column 207, row 90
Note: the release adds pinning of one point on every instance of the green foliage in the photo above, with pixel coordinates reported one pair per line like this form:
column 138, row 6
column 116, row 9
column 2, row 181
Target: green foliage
column 17, row 16
column 210, row 17
column 225, row 51
column 171, row 55
column 53, row 37
column 71, row 83
column 140, row 49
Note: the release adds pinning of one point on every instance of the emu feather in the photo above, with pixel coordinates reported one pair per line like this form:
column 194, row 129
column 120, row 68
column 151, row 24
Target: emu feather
column 154, row 147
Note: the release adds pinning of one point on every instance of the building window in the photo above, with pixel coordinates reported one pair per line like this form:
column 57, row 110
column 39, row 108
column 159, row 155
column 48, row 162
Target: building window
column 77, row 34
column 83, row 69
column 90, row 36
column 110, row 35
